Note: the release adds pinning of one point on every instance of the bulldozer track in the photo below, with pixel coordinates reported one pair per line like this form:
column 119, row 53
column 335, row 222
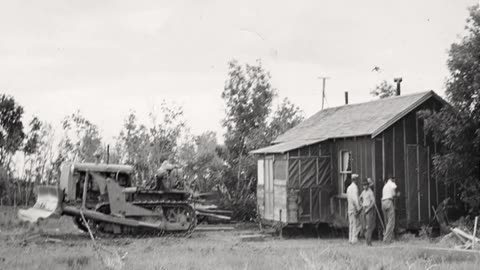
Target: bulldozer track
column 130, row 231
column 151, row 234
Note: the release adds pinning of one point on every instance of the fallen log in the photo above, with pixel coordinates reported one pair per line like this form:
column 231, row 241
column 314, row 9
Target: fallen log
column 53, row 240
column 474, row 232
column 464, row 234
column 254, row 237
column 463, row 240
column 213, row 215
column 214, row 228
column 205, row 206
column 214, row 211
column 32, row 237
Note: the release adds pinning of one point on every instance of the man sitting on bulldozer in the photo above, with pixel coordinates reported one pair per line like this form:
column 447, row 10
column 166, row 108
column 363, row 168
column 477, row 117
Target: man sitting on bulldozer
column 162, row 179
column 104, row 195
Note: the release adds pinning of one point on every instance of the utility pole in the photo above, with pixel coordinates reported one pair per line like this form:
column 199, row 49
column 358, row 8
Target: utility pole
column 323, row 89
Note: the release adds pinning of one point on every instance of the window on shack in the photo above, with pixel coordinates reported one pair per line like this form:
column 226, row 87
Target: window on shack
column 345, row 171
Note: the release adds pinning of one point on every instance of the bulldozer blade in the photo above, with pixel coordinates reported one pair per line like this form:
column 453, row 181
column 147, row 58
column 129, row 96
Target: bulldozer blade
column 48, row 204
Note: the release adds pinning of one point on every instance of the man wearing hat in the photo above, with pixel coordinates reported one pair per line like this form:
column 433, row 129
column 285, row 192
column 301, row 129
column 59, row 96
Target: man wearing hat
column 161, row 178
column 367, row 201
column 353, row 210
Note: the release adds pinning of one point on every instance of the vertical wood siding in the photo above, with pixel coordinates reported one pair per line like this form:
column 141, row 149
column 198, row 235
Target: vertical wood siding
column 403, row 150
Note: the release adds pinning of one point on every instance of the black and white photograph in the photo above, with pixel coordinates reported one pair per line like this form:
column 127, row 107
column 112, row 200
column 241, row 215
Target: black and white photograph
column 207, row 134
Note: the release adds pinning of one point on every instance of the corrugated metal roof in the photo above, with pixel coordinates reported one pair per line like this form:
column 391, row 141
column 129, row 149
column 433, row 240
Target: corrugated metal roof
column 353, row 120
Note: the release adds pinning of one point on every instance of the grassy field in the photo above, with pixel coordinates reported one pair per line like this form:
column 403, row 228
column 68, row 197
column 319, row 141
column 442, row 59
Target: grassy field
column 57, row 245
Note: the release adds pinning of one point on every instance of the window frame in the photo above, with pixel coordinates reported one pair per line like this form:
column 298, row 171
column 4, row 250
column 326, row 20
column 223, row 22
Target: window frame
column 343, row 174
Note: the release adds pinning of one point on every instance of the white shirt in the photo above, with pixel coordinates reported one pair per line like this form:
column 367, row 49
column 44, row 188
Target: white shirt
column 352, row 198
column 388, row 191
column 367, row 197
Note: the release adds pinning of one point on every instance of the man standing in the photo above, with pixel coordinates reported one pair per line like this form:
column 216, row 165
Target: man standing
column 388, row 208
column 353, row 210
column 367, row 200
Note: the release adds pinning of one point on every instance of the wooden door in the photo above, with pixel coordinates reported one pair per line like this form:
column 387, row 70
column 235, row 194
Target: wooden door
column 261, row 187
column 280, row 189
column 412, row 185
column 424, row 183
column 418, row 183
column 269, row 194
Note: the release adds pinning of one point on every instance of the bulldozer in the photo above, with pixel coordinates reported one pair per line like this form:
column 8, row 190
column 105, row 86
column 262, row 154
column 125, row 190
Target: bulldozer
column 103, row 198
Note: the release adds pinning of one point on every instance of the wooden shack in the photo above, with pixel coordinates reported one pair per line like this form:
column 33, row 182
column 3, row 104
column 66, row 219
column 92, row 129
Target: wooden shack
column 303, row 175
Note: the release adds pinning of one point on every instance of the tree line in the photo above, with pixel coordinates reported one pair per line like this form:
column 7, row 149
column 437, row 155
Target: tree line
column 251, row 121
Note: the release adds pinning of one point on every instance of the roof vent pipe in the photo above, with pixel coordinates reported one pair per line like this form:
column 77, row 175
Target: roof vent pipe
column 398, row 81
column 346, row 97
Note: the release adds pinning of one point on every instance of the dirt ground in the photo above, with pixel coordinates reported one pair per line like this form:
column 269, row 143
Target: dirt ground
column 57, row 244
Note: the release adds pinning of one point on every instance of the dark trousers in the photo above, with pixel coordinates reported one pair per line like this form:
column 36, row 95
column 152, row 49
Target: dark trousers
column 369, row 219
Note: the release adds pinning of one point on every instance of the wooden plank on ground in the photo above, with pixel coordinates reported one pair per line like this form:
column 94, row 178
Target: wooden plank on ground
column 465, row 235
column 255, row 237
column 214, row 228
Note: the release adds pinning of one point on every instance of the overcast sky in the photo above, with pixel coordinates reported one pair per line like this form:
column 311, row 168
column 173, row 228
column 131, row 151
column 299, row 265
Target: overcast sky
column 108, row 57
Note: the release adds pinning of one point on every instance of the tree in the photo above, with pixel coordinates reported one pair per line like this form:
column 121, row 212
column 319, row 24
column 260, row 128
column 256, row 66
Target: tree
column 201, row 162
column 165, row 134
column 30, row 149
column 38, row 151
column 133, row 145
column 44, row 156
column 11, row 140
column 146, row 148
column 457, row 127
column 81, row 139
column 33, row 137
column 11, row 129
column 383, row 90
column 248, row 95
column 285, row 117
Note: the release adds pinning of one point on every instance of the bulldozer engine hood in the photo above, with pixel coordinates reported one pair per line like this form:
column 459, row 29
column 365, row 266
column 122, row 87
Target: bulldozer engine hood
column 93, row 167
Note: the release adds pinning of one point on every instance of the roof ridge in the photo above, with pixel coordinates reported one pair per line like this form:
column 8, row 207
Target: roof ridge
column 378, row 100
column 401, row 104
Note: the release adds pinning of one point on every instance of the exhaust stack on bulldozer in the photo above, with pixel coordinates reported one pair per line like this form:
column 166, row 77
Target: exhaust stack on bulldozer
column 105, row 196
